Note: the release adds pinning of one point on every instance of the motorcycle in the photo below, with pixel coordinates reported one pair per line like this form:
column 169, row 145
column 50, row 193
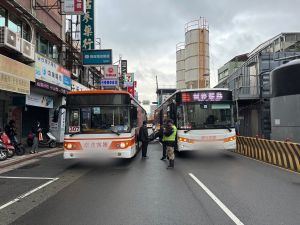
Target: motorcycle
column 3, row 151
column 7, row 144
column 47, row 140
column 19, row 148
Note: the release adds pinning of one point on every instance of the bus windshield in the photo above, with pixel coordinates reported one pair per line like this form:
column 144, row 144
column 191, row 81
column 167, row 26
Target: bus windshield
column 204, row 116
column 99, row 119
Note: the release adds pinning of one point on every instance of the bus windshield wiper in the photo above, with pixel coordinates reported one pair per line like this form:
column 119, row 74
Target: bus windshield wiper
column 224, row 126
column 116, row 132
column 74, row 134
column 186, row 131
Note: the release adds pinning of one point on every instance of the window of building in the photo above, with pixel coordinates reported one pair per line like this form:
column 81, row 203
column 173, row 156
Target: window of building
column 26, row 32
column 43, row 46
column 2, row 17
column 14, row 24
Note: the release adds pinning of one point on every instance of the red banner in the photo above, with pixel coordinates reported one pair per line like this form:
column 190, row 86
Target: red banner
column 131, row 90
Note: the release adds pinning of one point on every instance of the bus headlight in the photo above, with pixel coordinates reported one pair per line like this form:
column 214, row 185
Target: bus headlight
column 72, row 146
column 69, row 146
column 122, row 145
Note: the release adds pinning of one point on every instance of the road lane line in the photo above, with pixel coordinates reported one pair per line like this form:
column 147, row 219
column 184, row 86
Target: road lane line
column 219, row 203
column 27, row 193
column 29, row 178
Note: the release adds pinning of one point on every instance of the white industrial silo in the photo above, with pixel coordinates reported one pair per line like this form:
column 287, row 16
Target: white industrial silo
column 180, row 67
column 197, row 54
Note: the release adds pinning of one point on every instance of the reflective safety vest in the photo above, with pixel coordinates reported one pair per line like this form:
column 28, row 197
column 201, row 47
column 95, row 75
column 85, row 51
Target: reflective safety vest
column 172, row 137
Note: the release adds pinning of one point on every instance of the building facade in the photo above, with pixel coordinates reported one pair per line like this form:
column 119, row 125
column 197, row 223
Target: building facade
column 33, row 59
column 250, row 82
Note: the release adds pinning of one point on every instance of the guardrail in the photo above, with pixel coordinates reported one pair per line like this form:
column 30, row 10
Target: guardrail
column 279, row 153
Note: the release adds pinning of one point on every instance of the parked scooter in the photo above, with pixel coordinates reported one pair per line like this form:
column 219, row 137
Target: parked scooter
column 3, row 151
column 7, row 144
column 48, row 140
column 19, row 148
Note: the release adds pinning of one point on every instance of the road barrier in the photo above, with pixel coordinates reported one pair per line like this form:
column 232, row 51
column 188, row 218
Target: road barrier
column 279, row 153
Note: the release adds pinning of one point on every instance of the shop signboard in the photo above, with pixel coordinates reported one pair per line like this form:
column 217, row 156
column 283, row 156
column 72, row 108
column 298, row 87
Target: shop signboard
column 110, row 72
column 48, row 71
column 128, row 79
column 123, row 67
column 78, row 87
column 130, row 90
column 97, row 57
column 39, row 100
column 74, row 7
column 109, row 83
column 15, row 76
column 87, row 25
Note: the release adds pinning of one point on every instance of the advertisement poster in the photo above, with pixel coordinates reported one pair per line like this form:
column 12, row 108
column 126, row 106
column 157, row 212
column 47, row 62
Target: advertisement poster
column 128, row 79
column 48, row 71
column 39, row 100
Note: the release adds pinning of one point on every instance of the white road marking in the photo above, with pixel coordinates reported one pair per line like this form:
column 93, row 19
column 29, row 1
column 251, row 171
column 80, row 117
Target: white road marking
column 219, row 203
column 29, row 178
column 27, row 193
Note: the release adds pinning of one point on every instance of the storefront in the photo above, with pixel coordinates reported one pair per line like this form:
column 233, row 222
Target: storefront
column 15, row 78
column 52, row 83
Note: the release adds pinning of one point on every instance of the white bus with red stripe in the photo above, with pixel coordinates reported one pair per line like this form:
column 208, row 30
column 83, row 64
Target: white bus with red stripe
column 102, row 123
column 204, row 118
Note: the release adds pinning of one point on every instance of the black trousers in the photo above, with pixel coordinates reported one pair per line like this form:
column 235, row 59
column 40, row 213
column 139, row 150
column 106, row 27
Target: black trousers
column 144, row 148
column 164, row 149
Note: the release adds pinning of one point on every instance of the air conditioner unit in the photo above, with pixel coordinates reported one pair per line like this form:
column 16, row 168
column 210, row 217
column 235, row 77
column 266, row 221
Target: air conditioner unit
column 28, row 49
column 10, row 39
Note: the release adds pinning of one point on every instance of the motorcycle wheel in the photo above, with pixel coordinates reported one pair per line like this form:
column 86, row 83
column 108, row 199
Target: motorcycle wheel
column 52, row 144
column 10, row 153
column 3, row 155
column 20, row 150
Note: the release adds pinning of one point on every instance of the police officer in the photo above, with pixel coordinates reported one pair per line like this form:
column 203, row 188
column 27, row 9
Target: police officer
column 170, row 141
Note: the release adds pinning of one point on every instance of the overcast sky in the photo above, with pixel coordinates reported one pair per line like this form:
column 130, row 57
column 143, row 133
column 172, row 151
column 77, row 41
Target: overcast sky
column 145, row 32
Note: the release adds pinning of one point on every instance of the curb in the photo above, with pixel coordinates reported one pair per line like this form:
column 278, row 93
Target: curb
column 29, row 157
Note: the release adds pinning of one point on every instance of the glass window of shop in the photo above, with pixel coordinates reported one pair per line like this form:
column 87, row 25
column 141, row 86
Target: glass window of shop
column 43, row 46
column 14, row 24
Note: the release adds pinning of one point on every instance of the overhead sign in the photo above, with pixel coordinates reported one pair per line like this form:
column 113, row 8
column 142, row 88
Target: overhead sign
column 78, row 87
column 128, row 79
column 97, row 57
column 123, row 67
column 87, row 25
column 39, row 100
column 48, row 71
column 109, row 83
column 146, row 102
column 111, row 72
column 74, row 7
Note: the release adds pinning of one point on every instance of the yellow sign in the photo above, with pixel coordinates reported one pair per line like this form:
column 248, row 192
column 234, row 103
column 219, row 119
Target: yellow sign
column 9, row 82
column 10, row 66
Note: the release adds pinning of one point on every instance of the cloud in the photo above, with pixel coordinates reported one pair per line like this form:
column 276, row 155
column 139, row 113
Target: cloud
column 146, row 32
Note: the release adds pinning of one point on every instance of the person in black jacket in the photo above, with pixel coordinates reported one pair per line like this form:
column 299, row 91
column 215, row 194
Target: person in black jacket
column 144, row 138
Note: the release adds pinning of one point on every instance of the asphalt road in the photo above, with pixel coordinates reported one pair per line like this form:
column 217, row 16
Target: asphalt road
column 142, row 191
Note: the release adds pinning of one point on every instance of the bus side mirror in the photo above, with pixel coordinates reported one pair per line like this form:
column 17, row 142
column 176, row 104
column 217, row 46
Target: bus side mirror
column 56, row 113
column 173, row 111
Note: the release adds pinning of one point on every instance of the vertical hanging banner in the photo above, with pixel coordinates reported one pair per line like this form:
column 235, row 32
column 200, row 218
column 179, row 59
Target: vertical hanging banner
column 128, row 80
column 123, row 67
column 87, row 27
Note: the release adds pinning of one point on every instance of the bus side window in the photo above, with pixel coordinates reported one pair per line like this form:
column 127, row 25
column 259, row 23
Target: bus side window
column 134, row 115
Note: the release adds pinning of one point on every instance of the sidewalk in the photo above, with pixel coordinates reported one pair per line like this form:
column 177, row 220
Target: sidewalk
column 27, row 156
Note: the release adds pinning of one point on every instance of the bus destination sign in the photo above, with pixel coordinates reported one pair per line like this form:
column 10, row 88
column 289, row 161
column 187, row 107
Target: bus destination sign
column 207, row 96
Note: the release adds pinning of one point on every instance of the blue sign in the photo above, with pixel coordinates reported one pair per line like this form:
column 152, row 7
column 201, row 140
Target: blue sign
column 109, row 83
column 97, row 57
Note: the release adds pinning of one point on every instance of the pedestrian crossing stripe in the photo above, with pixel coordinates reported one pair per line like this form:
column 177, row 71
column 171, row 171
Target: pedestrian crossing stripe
column 279, row 153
